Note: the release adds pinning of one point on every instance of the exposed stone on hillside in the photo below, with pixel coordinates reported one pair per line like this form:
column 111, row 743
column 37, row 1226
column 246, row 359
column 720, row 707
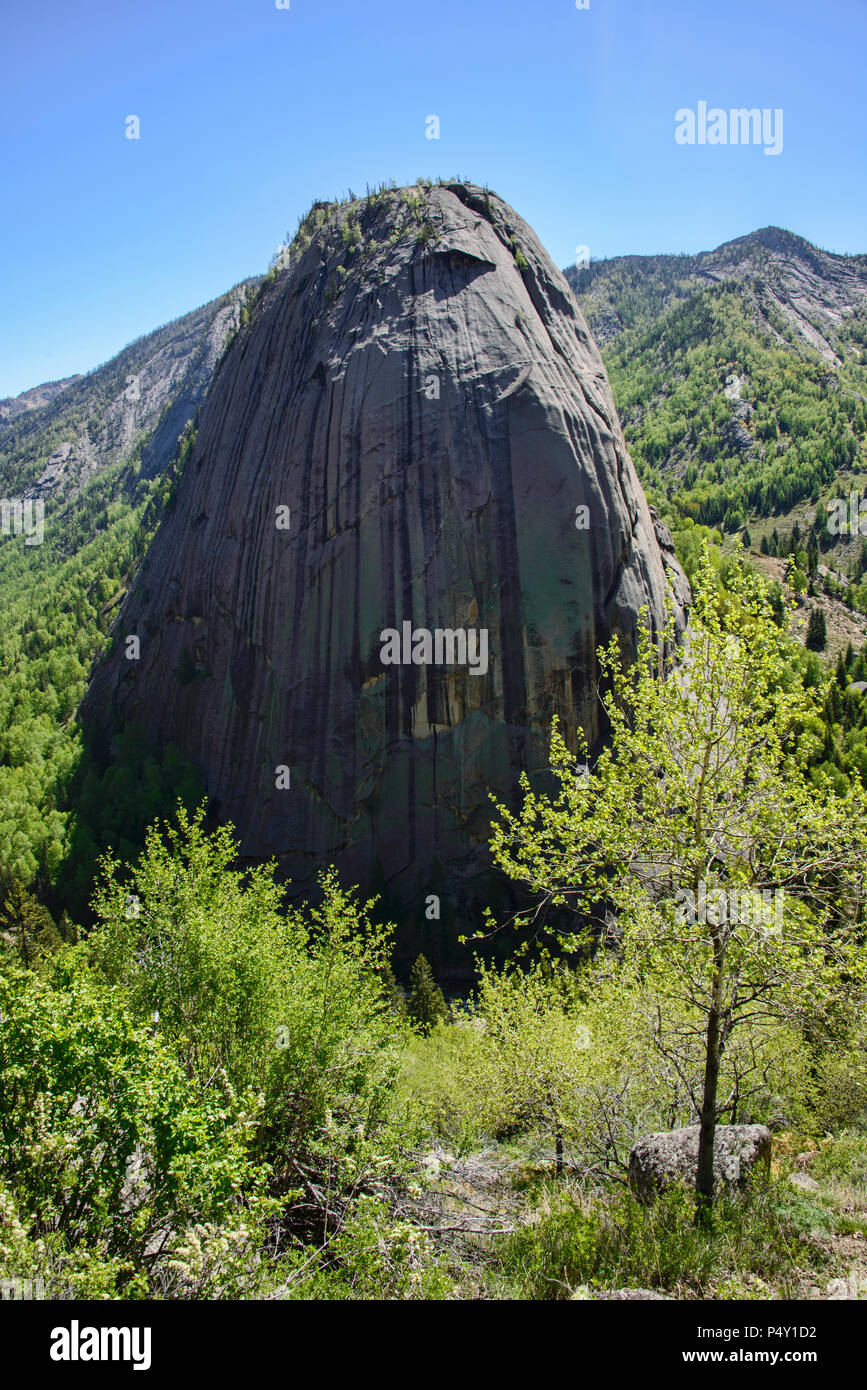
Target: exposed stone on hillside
column 659, row 1160
column 418, row 387
column 65, row 432
column 791, row 284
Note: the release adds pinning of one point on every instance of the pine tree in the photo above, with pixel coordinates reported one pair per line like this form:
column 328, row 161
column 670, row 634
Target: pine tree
column 25, row 925
column 765, row 548
column 427, row 1003
column 816, row 632
column 748, row 540
column 396, row 996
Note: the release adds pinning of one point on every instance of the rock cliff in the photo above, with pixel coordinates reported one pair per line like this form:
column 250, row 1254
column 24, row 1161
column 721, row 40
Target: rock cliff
column 56, row 437
column 414, row 427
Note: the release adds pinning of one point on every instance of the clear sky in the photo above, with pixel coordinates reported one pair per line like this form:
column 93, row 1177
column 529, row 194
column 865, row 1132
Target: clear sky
column 249, row 112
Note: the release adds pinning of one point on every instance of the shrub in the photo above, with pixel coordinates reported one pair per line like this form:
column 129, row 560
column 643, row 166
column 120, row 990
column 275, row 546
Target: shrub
column 109, row 1156
column 843, row 1159
column 291, row 1002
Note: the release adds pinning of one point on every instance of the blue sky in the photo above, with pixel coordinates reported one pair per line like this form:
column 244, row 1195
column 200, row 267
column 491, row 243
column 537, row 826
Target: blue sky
column 249, row 112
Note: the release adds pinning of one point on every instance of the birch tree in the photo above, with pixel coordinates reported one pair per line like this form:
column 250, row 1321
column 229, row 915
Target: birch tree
column 697, row 849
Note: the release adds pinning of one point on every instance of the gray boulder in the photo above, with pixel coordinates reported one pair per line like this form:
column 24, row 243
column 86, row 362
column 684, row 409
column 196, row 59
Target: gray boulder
column 804, row 1182
column 659, row 1160
column 632, row 1296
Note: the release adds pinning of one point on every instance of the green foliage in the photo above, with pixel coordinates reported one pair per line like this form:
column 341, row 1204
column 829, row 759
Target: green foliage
column 817, row 636
column 678, row 343
column 702, row 794
column 580, row 1064
column 374, row 1257
column 841, row 758
column 60, row 600
column 574, row 1246
column 394, row 993
column 115, row 802
column 292, row 1002
column 208, row 1070
column 107, row 1154
column 26, row 927
column 434, row 1078
column 843, row 1158
column 426, row 1004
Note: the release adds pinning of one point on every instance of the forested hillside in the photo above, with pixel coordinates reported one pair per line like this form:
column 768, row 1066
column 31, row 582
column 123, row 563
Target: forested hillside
column 101, row 458
column 740, row 374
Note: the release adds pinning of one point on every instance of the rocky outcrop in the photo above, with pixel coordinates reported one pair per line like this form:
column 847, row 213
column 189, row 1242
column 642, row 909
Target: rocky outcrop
column 790, row 283
column 659, row 1160
column 413, row 433
column 55, row 438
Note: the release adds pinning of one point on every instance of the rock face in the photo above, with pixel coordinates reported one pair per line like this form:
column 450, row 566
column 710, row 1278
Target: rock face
column 660, row 1160
column 414, row 428
column 140, row 400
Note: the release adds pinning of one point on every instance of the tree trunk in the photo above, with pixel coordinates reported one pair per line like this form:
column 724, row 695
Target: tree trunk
column 704, row 1182
column 559, row 1152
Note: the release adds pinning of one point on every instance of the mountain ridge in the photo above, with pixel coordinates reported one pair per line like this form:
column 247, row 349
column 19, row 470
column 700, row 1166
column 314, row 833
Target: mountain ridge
column 740, row 374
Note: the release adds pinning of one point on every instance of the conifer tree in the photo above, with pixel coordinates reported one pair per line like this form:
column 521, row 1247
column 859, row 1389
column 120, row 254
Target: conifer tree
column 396, row 996
column 816, row 631
column 25, row 925
column 427, row 1003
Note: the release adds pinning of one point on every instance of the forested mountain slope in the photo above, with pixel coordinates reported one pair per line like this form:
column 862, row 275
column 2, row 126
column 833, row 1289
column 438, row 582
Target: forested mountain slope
column 97, row 461
column 740, row 374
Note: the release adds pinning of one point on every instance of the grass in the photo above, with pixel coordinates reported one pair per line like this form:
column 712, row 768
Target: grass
column 573, row 1239
column 576, row 1242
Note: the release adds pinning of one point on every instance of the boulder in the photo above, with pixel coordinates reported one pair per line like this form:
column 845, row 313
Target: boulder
column 659, row 1160
column 632, row 1296
column 803, row 1182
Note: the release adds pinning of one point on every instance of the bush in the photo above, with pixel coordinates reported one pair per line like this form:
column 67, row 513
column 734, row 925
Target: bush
column 843, row 1159
column 292, row 1002
column 436, row 1068
column 110, row 1159
column 374, row 1257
